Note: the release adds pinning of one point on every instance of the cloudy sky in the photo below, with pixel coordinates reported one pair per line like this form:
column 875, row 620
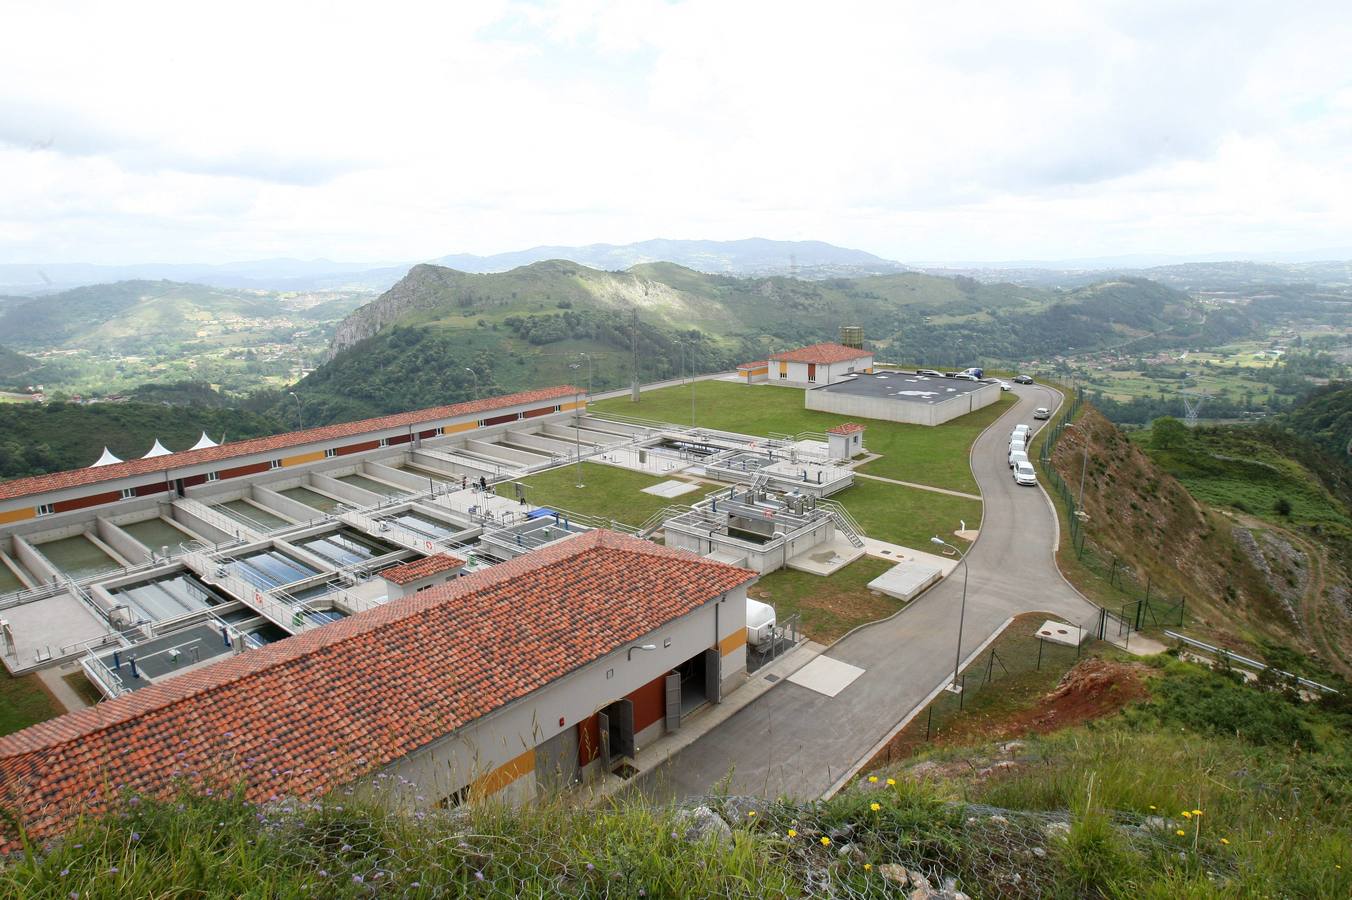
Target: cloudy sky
column 190, row 132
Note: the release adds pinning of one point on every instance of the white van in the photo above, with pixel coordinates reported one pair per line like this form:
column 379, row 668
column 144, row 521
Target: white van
column 1020, row 433
column 1016, row 457
column 1024, row 474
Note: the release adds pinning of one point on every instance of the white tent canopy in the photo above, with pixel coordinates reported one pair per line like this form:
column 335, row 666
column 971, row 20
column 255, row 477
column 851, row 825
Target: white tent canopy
column 203, row 443
column 107, row 459
column 157, row 450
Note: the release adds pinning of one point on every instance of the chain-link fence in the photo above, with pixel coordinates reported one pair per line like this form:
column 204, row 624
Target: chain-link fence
column 983, row 682
column 1142, row 605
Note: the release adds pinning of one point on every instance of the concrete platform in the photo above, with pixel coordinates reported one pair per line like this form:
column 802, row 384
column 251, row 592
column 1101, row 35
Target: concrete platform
column 1061, row 633
column 826, row 676
column 827, row 558
column 42, row 627
column 896, row 552
column 906, row 580
column 671, row 489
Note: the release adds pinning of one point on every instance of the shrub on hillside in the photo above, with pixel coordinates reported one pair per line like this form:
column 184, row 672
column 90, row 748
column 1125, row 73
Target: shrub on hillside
column 1216, row 703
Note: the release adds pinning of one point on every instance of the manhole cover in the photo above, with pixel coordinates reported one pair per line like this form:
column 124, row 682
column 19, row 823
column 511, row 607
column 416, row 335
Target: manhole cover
column 772, row 678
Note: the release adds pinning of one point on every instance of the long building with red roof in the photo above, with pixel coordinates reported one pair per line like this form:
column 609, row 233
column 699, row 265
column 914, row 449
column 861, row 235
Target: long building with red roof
column 542, row 669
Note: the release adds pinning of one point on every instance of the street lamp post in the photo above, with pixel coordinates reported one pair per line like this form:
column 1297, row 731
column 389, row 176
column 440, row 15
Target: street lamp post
column 300, row 410
column 577, row 439
column 475, row 395
column 589, row 373
column 955, row 687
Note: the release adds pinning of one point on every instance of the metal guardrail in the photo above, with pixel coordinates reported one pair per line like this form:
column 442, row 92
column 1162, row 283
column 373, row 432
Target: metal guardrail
column 1246, row 661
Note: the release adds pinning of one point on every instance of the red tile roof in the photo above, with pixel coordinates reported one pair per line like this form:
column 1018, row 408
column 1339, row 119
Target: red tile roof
column 845, row 428
column 822, row 354
column 304, row 715
column 422, row 568
column 37, row 484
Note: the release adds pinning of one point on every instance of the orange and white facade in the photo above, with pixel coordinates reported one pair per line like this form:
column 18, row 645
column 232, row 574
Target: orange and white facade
column 806, row 367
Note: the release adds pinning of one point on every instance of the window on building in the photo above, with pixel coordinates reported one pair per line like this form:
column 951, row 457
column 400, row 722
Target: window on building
column 274, row 464
column 331, row 453
column 783, row 374
column 45, row 509
column 212, row 476
column 384, row 442
column 128, row 493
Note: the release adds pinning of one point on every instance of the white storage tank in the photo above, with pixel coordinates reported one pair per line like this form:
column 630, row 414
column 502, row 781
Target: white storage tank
column 760, row 622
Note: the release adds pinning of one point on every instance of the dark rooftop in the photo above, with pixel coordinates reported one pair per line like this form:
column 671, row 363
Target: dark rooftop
column 903, row 386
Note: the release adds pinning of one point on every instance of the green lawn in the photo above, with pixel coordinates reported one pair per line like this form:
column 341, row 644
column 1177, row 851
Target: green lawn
column 23, row 702
column 610, row 492
column 908, row 516
column 829, row 606
column 926, row 455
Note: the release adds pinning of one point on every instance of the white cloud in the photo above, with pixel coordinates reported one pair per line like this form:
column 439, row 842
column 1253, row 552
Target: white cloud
column 916, row 130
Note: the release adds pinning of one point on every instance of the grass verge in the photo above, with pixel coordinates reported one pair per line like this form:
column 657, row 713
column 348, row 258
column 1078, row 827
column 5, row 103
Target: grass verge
column 908, row 516
column 933, row 455
column 25, row 701
column 829, row 606
column 610, row 492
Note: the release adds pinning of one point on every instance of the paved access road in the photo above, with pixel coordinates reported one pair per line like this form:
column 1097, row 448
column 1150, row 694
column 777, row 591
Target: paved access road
column 794, row 741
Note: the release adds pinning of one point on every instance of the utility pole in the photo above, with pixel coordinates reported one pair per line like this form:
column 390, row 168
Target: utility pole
column 633, row 347
column 577, row 438
column 955, row 687
column 589, row 373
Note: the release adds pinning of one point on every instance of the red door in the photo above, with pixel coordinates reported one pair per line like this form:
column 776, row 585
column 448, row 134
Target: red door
column 811, row 371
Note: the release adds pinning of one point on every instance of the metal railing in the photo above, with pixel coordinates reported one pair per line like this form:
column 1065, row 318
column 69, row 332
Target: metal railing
column 845, row 522
column 1231, row 656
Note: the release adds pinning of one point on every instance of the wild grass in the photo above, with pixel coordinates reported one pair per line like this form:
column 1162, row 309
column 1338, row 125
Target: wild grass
column 24, row 701
column 610, row 492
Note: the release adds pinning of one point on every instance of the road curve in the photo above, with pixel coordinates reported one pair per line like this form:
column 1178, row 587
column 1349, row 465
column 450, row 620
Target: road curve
column 793, row 741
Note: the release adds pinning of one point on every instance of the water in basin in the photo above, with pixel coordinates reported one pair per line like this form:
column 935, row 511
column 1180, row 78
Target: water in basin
column 370, row 484
column 251, row 514
column 312, row 499
column 156, row 533
column 78, row 556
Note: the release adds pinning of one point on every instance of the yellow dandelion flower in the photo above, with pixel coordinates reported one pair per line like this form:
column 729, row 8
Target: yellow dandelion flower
column 1196, row 812
column 793, row 832
column 875, row 806
column 891, row 782
column 751, row 814
column 1153, row 806
column 868, row 867
column 1225, row 841
column 1186, row 814
column 873, row 779
column 826, row 842
column 1180, row 832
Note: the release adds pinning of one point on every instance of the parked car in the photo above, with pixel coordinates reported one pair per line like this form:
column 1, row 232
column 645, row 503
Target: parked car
column 1016, row 457
column 1020, row 432
column 929, row 372
column 1024, row 474
column 1004, row 385
column 1023, row 379
column 1017, row 446
column 963, row 376
column 1042, row 412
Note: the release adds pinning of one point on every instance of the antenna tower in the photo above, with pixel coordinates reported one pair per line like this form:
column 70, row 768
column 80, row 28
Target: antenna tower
column 1192, row 405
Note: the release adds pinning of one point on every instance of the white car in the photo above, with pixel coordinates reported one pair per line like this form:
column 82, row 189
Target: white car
column 1020, row 429
column 1004, row 385
column 1024, row 474
column 1016, row 457
column 1042, row 412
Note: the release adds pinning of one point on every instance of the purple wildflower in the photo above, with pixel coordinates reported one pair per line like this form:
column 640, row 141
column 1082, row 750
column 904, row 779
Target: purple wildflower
column 478, row 876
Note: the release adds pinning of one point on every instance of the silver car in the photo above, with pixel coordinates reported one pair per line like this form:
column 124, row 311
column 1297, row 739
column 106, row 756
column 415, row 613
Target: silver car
column 1024, row 474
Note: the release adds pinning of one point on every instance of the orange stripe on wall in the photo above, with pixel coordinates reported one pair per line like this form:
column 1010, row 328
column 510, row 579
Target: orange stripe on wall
column 456, row 429
column 18, row 515
column 301, row 459
column 732, row 642
column 503, row 775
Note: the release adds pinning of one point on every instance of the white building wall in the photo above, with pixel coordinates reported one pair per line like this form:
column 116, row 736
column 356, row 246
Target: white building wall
column 513, row 732
column 864, row 407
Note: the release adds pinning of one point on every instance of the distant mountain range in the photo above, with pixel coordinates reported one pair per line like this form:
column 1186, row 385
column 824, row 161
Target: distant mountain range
column 752, row 257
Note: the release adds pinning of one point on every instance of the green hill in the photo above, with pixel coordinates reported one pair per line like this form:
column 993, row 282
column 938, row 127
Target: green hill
column 526, row 327
column 14, row 365
column 1324, row 418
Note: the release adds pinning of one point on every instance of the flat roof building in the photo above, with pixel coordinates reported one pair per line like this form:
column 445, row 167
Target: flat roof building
column 903, row 397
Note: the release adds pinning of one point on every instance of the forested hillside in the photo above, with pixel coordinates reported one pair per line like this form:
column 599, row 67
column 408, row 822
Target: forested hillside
column 36, row 439
column 1325, row 418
